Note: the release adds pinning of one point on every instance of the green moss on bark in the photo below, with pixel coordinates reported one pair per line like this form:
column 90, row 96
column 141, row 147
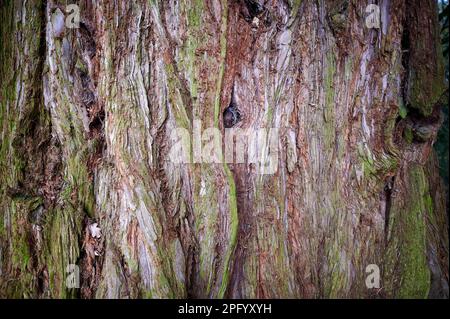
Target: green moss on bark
column 406, row 270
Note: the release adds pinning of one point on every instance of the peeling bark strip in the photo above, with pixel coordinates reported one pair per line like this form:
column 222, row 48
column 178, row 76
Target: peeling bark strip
column 86, row 181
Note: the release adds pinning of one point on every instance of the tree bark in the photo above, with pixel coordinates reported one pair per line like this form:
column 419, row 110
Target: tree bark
column 87, row 118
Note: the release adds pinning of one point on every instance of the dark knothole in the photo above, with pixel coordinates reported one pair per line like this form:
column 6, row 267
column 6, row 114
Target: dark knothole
column 231, row 115
column 254, row 8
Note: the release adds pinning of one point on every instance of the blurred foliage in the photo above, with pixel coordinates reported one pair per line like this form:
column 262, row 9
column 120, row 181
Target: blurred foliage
column 442, row 143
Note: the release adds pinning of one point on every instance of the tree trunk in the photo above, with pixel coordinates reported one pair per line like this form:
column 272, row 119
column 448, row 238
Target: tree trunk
column 88, row 116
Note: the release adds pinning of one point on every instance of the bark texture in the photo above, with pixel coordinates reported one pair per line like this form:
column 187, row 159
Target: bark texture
column 86, row 119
